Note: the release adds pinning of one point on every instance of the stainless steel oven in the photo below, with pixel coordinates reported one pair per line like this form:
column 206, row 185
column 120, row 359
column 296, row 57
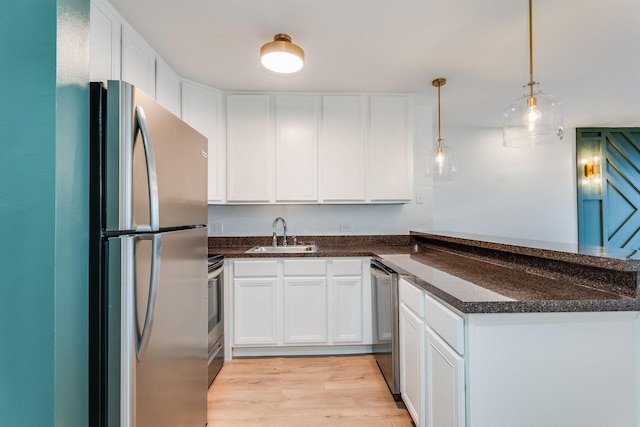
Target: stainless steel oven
column 216, row 316
column 385, row 321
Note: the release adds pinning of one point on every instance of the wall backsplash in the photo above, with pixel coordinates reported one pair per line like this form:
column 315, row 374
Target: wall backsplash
column 257, row 220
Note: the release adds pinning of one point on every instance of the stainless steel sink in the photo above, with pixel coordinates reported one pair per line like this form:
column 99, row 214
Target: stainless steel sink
column 284, row 249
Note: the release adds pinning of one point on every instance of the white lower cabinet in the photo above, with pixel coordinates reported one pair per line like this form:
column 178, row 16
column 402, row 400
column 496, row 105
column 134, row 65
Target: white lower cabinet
column 431, row 371
column 444, row 373
column 516, row 369
column 412, row 363
column 255, row 303
column 282, row 303
column 256, row 308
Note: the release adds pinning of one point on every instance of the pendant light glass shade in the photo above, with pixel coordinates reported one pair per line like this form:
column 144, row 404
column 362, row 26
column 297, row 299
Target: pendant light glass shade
column 535, row 117
column 442, row 159
column 532, row 119
column 282, row 56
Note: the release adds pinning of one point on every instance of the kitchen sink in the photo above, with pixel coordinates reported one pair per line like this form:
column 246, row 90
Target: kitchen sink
column 284, row 249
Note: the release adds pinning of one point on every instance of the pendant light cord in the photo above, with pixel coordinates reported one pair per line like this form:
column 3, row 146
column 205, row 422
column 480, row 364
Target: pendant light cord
column 531, row 82
column 439, row 138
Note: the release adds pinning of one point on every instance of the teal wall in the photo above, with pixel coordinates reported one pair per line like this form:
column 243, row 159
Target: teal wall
column 44, row 71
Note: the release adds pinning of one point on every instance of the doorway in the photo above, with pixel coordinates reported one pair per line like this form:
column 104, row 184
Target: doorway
column 608, row 179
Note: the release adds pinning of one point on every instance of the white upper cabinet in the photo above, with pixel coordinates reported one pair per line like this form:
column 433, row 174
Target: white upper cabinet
column 296, row 150
column 104, row 36
column 167, row 87
column 390, row 156
column 138, row 62
column 202, row 109
column 342, row 148
column 249, row 149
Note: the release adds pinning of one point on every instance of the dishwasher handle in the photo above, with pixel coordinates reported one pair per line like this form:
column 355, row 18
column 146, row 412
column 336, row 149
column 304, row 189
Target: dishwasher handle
column 381, row 269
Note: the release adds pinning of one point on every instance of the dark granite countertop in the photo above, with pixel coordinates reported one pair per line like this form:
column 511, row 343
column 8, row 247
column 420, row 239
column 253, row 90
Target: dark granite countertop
column 328, row 246
column 482, row 274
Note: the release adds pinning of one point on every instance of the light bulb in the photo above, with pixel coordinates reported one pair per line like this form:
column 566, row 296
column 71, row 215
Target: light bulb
column 532, row 115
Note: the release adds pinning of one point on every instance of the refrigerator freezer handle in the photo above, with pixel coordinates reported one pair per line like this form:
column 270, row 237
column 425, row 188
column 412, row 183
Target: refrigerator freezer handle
column 152, row 177
column 143, row 341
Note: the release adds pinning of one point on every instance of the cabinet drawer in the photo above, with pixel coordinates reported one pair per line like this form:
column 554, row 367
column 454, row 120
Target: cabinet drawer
column 445, row 323
column 412, row 297
column 347, row 267
column 262, row 268
column 306, row 267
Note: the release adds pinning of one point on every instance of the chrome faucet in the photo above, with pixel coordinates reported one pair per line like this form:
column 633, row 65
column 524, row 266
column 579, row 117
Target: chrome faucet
column 284, row 233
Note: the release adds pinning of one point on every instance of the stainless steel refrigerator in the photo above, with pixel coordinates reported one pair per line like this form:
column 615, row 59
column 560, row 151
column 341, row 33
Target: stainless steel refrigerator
column 148, row 264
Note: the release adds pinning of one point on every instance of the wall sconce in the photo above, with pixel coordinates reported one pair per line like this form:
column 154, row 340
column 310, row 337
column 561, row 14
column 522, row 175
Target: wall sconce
column 592, row 175
column 591, row 169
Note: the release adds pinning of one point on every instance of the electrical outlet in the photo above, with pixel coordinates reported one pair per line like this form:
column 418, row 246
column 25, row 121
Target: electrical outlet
column 215, row 227
column 346, row 228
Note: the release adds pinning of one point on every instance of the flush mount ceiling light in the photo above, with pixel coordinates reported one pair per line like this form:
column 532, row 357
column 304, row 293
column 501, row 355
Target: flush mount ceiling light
column 442, row 160
column 535, row 117
column 282, row 56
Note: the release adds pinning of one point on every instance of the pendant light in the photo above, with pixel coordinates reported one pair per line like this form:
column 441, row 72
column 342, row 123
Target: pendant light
column 442, row 159
column 282, row 56
column 535, row 117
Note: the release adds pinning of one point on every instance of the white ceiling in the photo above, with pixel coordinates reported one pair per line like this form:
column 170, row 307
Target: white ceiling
column 586, row 52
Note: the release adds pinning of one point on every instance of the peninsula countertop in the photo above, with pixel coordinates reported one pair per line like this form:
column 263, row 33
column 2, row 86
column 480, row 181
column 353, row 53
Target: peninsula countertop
column 481, row 274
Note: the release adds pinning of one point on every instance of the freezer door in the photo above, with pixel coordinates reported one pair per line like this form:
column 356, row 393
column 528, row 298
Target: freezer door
column 166, row 325
column 156, row 164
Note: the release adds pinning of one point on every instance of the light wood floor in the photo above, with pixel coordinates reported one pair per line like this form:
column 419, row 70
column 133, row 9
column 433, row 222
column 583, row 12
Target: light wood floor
column 303, row 392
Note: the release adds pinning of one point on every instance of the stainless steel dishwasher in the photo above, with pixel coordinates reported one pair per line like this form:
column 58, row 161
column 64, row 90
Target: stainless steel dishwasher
column 385, row 321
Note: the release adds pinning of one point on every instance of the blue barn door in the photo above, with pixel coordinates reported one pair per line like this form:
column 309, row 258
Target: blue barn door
column 608, row 178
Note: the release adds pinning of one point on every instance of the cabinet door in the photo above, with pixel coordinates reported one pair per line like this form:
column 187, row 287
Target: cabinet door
column 342, row 150
column 296, row 162
column 255, row 310
column 104, row 35
column 202, row 109
column 444, row 384
column 305, row 310
column 249, row 149
column 167, row 88
column 138, row 62
column 389, row 156
column 412, row 363
column 347, row 309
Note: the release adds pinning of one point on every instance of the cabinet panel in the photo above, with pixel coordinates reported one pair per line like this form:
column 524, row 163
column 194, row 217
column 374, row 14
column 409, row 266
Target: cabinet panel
column 445, row 323
column 389, row 154
column 138, row 62
column 342, row 148
column 412, row 363
column 202, row 109
column 347, row 309
column 255, row 311
column 167, row 88
column 105, row 38
column 296, row 161
column 249, row 149
column 445, row 384
column 305, row 267
column 305, row 310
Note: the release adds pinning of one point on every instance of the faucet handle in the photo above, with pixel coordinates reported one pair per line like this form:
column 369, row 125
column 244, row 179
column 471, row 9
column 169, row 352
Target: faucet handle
column 274, row 239
column 295, row 240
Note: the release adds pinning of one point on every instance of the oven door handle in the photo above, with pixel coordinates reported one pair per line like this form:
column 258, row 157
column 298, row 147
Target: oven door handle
column 215, row 272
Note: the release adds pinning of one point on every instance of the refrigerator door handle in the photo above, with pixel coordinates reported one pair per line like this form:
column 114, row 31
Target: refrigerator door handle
column 143, row 340
column 152, row 176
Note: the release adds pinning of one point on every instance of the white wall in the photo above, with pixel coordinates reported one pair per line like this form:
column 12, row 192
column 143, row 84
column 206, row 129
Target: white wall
column 256, row 220
column 527, row 193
